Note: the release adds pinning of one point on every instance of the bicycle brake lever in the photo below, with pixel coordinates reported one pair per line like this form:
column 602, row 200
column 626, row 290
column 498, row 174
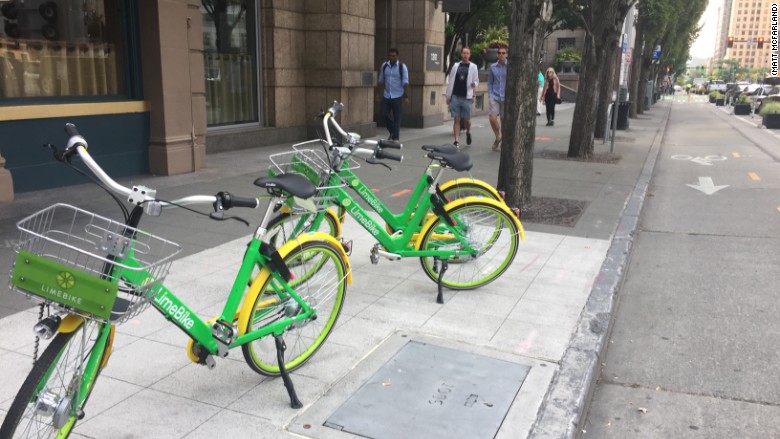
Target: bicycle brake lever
column 373, row 161
column 58, row 155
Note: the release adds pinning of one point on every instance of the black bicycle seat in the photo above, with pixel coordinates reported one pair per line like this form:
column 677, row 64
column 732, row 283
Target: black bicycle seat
column 447, row 149
column 459, row 161
column 294, row 184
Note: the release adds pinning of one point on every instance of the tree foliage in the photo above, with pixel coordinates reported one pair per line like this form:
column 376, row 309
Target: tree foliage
column 463, row 28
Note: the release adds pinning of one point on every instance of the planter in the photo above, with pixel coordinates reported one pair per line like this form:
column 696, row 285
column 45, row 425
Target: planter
column 712, row 100
column 741, row 109
column 772, row 121
column 720, row 102
column 490, row 55
column 566, row 66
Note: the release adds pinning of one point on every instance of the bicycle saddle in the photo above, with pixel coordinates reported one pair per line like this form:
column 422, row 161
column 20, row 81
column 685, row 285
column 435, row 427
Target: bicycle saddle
column 459, row 161
column 447, row 149
column 295, row 184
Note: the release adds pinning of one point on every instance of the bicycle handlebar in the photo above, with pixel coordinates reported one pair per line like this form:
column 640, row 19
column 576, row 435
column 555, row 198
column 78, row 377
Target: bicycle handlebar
column 388, row 155
column 77, row 144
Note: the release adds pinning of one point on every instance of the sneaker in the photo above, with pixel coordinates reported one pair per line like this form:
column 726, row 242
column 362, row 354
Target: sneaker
column 538, row 113
column 549, row 123
column 456, row 144
column 552, row 122
column 497, row 145
column 468, row 138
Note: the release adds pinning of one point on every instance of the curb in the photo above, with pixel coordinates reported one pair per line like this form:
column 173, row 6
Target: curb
column 572, row 388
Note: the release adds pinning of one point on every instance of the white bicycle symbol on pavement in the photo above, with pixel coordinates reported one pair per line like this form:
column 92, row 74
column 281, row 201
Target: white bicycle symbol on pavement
column 705, row 161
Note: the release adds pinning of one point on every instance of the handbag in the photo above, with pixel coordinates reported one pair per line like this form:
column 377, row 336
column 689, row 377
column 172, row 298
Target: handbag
column 558, row 100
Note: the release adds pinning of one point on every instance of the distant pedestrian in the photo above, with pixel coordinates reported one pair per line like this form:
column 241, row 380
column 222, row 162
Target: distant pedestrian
column 551, row 94
column 496, row 92
column 462, row 81
column 393, row 87
column 539, row 86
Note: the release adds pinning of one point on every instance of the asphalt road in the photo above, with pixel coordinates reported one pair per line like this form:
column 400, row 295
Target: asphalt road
column 693, row 351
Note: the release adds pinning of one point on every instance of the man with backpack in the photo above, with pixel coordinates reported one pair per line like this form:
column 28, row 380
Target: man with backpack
column 393, row 86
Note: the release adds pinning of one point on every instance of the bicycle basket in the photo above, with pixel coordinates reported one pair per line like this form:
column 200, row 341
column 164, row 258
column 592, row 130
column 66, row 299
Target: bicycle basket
column 94, row 266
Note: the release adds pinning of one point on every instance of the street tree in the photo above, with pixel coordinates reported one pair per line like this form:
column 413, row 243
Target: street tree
column 603, row 24
column 528, row 24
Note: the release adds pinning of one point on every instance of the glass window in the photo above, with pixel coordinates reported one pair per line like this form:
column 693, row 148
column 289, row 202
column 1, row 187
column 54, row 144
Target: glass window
column 565, row 42
column 230, row 59
column 52, row 49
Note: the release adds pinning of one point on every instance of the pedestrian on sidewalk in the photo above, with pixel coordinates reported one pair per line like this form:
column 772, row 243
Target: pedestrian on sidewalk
column 393, row 87
column 540, row 87
column 496, row 92
column 462, row 81
column 551, row 94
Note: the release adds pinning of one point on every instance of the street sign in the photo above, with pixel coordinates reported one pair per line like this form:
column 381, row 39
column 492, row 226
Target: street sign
column 656, row 55
column 434, row 58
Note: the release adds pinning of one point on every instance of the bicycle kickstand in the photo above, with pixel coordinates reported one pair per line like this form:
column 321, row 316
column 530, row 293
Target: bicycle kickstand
column 440, row 296
column 280, row 348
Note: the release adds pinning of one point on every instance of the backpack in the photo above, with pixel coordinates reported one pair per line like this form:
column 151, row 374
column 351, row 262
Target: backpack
column 400, row 70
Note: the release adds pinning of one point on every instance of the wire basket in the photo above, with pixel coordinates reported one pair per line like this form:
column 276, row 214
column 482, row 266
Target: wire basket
column 94, row 266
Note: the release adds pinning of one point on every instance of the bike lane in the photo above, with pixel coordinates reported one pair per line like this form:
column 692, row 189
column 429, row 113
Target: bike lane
column 691, row 351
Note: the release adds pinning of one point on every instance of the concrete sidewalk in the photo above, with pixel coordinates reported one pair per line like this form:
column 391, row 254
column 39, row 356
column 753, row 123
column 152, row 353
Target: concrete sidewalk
column 548, row 312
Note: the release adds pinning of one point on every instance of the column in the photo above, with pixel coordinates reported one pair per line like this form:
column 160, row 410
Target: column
column 6, row 183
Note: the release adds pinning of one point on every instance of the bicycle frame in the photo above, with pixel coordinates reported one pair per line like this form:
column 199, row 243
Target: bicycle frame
column 411, row 220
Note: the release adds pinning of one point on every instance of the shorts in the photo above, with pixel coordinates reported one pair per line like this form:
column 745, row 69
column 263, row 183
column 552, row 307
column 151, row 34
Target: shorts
column 460, row 107
column 495, row 108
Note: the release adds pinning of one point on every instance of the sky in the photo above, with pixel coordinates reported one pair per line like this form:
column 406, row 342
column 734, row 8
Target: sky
column 704, row 46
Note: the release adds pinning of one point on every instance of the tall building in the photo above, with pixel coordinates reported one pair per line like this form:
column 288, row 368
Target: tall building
column 750, row 20
column 724, row 18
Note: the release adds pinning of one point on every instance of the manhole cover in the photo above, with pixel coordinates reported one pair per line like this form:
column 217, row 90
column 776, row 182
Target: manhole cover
column 429, row 391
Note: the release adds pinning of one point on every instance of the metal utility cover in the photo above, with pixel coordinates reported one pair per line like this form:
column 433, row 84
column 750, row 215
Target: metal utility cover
column 429, row 391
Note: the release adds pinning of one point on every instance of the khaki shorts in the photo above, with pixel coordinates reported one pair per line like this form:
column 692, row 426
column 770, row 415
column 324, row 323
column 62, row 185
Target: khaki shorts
column 495, row 108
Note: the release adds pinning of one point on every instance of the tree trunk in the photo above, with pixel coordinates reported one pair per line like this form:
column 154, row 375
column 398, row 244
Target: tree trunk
column 518, row 123
column 605, row 94
column 584, row 122
column 636, row 67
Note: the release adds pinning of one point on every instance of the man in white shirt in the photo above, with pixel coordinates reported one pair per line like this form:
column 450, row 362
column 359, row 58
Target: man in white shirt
column 462, row 81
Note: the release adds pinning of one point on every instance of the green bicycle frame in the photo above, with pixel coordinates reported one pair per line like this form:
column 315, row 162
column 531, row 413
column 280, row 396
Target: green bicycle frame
column 411, row 220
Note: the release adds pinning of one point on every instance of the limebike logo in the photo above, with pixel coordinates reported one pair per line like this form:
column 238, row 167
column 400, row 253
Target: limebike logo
column 370, row 199
column 65, row 281
column 177, row 313
column 362, row 219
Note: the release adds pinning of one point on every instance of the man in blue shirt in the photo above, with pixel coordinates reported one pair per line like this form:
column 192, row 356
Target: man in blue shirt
column 393, row 85
column 496, row 92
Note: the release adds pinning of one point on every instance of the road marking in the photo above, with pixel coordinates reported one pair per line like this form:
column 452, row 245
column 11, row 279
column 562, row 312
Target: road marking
column 707, row 186
column 374, row 189
column 704, row 161
column 754, row 176
column 735, row 154
column 403, row 192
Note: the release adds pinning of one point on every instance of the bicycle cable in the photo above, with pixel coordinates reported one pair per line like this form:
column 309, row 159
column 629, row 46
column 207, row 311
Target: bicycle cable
column 236, row 218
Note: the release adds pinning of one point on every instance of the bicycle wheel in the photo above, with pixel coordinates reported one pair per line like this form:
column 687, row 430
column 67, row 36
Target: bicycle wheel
column 319, row 271
column 487, row 228
column 462, row 188
column 282, row 227
column 58, row 385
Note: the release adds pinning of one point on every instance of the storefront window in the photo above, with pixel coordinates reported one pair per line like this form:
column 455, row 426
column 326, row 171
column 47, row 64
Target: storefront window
column 61, row 48
column 230, row 56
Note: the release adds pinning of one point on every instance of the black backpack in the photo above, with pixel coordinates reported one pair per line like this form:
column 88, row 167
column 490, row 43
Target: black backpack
column 400, row 70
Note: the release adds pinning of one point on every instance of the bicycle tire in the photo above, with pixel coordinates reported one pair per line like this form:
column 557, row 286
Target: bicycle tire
column 463, row 188
column 490, row 228
column 39, row 380
column 303, row 340
column 280, row 227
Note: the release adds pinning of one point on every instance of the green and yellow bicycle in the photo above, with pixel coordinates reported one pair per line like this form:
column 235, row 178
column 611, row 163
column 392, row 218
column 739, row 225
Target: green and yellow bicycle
column 477, row 235
column 93, row 273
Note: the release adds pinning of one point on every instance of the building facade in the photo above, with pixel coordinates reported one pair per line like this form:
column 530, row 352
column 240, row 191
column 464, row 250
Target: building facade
column 155, row 85
column 721, row 32
column 749, row 21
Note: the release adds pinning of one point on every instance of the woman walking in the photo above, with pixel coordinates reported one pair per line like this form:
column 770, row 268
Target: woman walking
column 551, row 94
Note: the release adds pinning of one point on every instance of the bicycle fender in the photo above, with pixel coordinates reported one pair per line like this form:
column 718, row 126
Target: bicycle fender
column 483, row 184
column 264, row 274
column 70, row 323
column 470, row 200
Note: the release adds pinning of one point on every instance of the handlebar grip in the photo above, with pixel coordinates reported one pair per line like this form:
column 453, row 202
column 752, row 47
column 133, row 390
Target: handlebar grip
column 389, row 155
column 71, row 130
column 388, row 144
column 234, row 201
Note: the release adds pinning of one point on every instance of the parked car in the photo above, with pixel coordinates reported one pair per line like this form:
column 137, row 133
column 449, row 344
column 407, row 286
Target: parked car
column 773, row 96
column 716, row 85
column 677, row 88
column 762, row 92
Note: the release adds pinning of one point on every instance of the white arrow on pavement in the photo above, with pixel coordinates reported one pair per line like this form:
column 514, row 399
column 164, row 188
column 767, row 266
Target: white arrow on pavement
column 707, row 186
